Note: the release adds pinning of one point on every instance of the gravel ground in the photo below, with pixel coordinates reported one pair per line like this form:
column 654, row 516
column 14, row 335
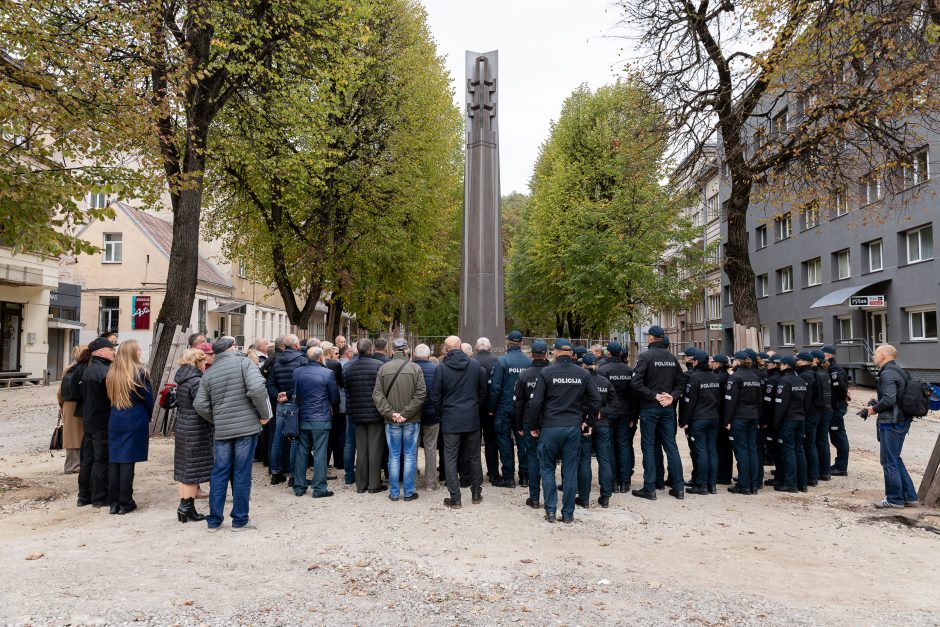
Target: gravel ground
column 826, row 557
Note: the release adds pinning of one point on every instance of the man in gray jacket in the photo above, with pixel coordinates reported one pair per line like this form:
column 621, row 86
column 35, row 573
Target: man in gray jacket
column 893, row 426
column 233, row 397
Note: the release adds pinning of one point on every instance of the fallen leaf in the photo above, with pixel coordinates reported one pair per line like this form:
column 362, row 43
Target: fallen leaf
column 35, row 556
column 526, row 561
column 313, row 566
column 188, row 602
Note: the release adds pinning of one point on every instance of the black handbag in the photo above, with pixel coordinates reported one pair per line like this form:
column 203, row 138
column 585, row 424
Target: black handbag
column 55, row 443
column 291, row 429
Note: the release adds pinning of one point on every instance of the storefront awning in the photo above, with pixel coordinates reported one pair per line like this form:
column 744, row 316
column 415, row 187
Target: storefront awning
column 61, row 323
column 230, row 308
column 839, row 296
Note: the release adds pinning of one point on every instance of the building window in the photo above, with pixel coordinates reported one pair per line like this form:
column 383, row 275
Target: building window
column 242, row 268
column 109, row 313
column 920, row 244
column 870, row 190
column 842, row 263
column 813, row 272
column 785, row 279
column 916, row 169
column 840, row 201
column 712, row 209
column 698, row 312
column 779, row 124
column 787, row 334
column 845, row 328
column 729, row 300
column 814, row 332
column 784, row 226
column 113, row 248
column 923, row 324
column 874, row 255
column 714, row 307
column 763, row 286
column 201, row 310
column 761, row 236
column 97, row 200
column 811, row 216
column 765, row 335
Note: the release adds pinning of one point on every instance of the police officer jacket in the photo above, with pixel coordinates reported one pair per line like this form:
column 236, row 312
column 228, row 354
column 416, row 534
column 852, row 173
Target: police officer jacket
column 809, row 376
column 823, row 397
column 657, row 371
column 621, row 403
column 605, row 390
column 702, row 397
column 722, row 374
column 564, row 394
column 744, row 393
column 791, row 398
column 503, row 381
column 525, row 386
column 839, row 383
column 768, row 406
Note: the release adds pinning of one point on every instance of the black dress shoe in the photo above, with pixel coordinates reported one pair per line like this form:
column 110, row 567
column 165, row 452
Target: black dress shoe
column 604, row 501
column 382, row 488
column 712, row 488
column 362, row 491
column 82, row 502
column 825, row 478
column 127, row 510
column 812, row 484
column 567, row 519
column 736, row 489
column 679, row 494
column 324, row 495
column 414, row 495
column 114, row 508
column 697, row 489
column 839, row 473
column 770, row 482
column 779, row 488
column 452, row 504
column 803, row 489
column 643, row 494
column 581, row 503
column 532, row 504
column 523, row 482
column 660, row 485
column 278, row 478
column 550, row 517
column 504, row 483
column 477, row 497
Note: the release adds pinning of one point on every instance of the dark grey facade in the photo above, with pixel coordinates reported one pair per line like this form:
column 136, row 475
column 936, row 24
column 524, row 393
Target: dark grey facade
column 875, row 244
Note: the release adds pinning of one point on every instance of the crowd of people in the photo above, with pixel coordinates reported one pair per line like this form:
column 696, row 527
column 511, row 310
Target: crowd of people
column 295, row 405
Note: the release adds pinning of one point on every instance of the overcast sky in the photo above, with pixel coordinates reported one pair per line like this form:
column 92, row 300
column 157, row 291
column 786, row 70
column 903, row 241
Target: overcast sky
column 546, row 49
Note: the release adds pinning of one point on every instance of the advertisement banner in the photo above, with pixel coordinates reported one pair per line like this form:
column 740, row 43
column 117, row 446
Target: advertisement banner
column 140, row 318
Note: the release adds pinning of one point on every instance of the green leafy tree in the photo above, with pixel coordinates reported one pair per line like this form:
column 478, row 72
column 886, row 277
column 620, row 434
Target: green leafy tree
column 599, row 220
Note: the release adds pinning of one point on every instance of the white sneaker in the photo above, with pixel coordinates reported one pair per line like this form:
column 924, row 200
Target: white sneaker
column 886, row 505
column 213, row 529
column 249, row 526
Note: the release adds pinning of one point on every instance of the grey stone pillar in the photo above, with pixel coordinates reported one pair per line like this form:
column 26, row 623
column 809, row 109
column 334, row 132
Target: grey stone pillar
column 481, row 282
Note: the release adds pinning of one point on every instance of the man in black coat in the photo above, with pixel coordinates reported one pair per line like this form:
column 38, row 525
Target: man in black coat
column 487, row 420
column 458, row 393
column 280, row 386
column 96, row 410
column 359, row 383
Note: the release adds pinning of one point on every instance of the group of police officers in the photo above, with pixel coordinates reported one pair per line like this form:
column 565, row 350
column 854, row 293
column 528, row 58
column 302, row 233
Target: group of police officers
column 760, row 408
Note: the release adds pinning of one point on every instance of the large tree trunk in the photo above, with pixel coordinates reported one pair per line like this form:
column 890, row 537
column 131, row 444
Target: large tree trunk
column 737, row 260
column 559, row 325
column 334, row 319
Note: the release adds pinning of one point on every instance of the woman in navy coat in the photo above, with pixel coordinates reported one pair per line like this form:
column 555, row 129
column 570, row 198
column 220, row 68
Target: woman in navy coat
column 131, row 394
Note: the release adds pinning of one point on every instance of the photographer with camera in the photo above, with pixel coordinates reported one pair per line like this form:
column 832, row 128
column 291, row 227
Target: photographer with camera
column 893, row 426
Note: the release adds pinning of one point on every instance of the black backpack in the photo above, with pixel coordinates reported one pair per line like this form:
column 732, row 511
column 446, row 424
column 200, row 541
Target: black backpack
column 72, row 384
column 914, row 401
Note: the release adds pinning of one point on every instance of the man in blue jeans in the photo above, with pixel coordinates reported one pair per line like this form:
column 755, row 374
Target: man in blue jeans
column 317, row 396
column 281, row 390
column 563, row 406
column 232, row 396
column 893, row 426
column 399, row 394
column 657, row 383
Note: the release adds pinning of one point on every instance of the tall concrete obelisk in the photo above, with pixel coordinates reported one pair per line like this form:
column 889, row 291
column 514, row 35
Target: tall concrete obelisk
column 481, row 281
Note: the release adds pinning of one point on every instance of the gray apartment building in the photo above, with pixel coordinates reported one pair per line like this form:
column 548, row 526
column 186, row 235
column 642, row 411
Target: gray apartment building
column 836, row 276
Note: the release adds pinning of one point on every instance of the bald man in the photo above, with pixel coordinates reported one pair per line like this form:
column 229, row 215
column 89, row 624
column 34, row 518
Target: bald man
column 893, row 426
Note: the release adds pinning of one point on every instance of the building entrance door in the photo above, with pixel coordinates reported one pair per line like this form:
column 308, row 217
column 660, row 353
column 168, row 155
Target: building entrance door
column 877, row 328
column 11, row 329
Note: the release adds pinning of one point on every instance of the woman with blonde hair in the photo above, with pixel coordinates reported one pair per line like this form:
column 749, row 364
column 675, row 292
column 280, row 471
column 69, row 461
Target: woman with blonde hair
column 70, row 403
column 192, row 456
column 131, row 394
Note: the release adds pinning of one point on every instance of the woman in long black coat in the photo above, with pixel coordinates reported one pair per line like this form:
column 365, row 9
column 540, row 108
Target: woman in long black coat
column 192, row 459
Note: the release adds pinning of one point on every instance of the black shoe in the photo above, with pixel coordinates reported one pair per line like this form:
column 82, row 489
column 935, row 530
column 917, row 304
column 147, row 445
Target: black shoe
column 839, row 473
column 114, row 508
column 278, row 478
column 604, row 501
column 532, row 504
column 625, row 487
column 778, row 488
column 697, row 489
column 550, row 517
column 504, row 483
column 362, row 491
column 660, row 485
column 723, row 482
column 804, row 489
column 392, row 498
column 812, row 484
column 679, row 494
column 126, row 510
column 452, row 504
column 381, row 488
column 736, row 489
column 770, row 482
column 98, row 505
column 82, row 502
column 323, row 496
column 477, row 497
column 567, row 519
column 712, row 488
column 414, row 495
column 290, row 481
column 330, row 477
column 299, row 492
column 581, row 503
column 187, row 511
column 523, row 482
column 643, row 494
column 825, row 478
